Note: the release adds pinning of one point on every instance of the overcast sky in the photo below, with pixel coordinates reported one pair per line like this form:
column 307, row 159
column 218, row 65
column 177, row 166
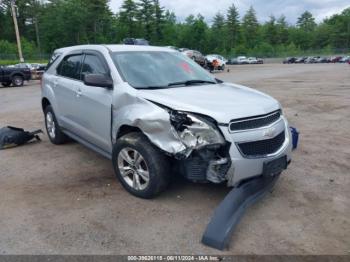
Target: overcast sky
column 264, row 8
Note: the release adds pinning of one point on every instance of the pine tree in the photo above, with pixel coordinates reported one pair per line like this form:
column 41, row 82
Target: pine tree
column 250, row 27
column 146, row 18
column 306, row 22
column 271, row 31
column 158, row 22
column 232, row 23
column 218, row 22
column 170, row 32
column 127, row 16
column 282, row 30
column 218, row 32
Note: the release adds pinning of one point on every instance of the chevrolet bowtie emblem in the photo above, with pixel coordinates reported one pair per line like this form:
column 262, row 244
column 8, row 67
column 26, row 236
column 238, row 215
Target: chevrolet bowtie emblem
column 270, row 133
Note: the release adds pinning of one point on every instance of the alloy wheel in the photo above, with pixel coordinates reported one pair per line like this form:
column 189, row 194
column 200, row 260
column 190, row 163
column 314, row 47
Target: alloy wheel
column 133, row 168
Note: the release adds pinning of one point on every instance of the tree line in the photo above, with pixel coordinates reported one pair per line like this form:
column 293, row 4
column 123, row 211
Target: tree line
column 47, row 25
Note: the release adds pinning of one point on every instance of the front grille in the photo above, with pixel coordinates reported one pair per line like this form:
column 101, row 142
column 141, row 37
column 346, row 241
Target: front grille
column 262, row 147
column 254, row 122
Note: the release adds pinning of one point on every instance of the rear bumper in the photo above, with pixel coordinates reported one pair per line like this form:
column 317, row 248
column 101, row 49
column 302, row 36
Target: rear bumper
column 231, row 209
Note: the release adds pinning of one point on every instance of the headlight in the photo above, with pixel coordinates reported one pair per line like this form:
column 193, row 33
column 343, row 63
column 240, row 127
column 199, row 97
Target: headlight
column 194, row 131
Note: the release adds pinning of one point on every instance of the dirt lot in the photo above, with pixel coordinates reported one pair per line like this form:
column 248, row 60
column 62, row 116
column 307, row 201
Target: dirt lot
column 66, row 200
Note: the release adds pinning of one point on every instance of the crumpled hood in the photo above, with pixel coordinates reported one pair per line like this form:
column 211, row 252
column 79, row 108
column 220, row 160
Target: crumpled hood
column 223, row 102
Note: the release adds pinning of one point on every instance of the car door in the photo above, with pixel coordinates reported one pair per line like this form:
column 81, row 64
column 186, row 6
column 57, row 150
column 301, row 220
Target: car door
column 66, row 85
column 93, row 105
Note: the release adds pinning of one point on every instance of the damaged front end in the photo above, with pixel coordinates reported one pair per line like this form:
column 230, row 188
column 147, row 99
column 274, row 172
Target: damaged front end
column 207, row 153
column 197, row 146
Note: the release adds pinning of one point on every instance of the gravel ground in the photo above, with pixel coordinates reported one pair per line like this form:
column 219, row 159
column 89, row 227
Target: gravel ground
column 66, row 200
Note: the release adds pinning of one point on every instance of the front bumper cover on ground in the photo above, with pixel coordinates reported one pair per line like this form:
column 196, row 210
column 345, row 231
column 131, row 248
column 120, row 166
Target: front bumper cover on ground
column 231, row 209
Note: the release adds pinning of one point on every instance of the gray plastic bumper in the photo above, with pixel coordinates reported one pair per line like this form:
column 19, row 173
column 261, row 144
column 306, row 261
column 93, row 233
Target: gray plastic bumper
column 231, row 209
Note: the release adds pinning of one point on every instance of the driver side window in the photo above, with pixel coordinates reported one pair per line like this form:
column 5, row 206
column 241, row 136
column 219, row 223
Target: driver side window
column 93, row 65
column 70, row 67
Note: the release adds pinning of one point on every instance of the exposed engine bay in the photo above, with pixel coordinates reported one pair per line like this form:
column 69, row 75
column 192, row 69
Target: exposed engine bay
column 207, row 157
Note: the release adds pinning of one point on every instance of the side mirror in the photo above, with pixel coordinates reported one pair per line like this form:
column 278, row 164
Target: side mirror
column 98, row 80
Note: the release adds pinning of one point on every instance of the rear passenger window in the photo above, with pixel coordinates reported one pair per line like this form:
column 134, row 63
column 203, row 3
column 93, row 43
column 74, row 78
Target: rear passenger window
column 93, row 65
column 70, row 67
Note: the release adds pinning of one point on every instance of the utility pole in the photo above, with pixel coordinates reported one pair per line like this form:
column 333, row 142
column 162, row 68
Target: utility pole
column 37, row 4
column 37, row 35
column 14, row 16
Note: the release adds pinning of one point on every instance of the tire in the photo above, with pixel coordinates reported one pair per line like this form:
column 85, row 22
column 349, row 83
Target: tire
column 145, row 159
column 17, row 80
column 222, row 68
column 6, row 84
column 53, row 130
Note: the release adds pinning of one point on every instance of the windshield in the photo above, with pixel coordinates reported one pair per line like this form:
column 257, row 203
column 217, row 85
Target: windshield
column 158, row 69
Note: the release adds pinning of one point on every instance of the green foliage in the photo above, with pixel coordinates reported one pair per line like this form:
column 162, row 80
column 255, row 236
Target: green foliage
column 47, row 25
column 233, row 26
column 250, row 27
column 306, row 22
column 7, row 48
column 28, row 47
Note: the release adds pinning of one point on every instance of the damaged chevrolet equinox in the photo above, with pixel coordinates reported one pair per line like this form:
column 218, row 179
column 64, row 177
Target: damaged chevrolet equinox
column 155, row 113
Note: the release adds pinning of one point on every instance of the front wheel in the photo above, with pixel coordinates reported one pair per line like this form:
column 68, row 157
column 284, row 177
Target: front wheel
column 143, row 169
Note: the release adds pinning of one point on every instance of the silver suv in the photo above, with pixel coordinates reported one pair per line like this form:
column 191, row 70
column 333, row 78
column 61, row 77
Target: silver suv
column 155, row 113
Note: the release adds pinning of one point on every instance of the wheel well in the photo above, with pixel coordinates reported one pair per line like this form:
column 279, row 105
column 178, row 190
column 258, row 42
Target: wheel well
column 44, row 103
column 17, row 74
column 125, row 129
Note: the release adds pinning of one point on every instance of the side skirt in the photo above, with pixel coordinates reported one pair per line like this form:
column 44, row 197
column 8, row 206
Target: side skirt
column 88, row 145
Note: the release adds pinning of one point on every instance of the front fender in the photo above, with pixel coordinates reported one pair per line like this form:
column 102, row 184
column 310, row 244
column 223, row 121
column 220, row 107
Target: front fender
column 152, row 120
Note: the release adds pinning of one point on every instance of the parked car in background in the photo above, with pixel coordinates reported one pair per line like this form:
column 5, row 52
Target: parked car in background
column 335, row 59
column 322, row 60
column 37, row 71
column 311, row 59
column 173, row 47
column 232, row 61
column 242, row 60
column 23, row 65
column 260, row 60
column 222, row 58
column 216, row 62
column 135, row 41
column 300, row 60
column 183, row 49
column 344, row 59
column 196, row 56
column 14, row 75
column 289, row 60
column 252, row 60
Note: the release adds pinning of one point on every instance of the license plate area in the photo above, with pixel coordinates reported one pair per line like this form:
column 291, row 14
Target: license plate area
column 275, row 166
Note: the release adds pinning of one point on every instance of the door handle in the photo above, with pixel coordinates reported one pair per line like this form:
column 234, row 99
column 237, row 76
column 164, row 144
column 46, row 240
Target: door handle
column 78, row 93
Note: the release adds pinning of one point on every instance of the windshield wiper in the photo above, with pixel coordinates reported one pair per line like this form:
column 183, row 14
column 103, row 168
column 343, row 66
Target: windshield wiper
column 150, row 87
column 182, row 83
column 192, row 82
